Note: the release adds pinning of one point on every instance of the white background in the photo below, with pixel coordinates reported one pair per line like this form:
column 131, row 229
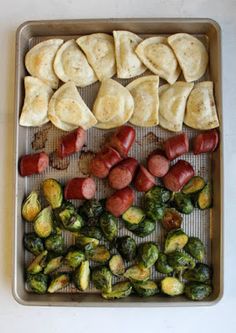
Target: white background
column 17, row 318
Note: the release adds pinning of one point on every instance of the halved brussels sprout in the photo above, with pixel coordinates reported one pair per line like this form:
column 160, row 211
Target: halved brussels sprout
column 158, row 194
column 195, row 185
column 155, row 202
column 200, row 273
column 127, row 247
column 146, row 289
column 90, row 211
column 74, row 258
column 52, row 191
column 147, row 254
column 55, row 243
column 64, row 213
column 74, row 224
column 197, row 291
column 109, row 226
column 162, row 265
column 205, row 197
column 38, row 282
column 31, row 207
column 195, row 248
column 37, row 264
column 171, row 219
column 53, row 264
column 175, row 240
column 145, row 228
column 119, row 290
column 91, row 231
column 81, row 276
column 133, row 217
column 98, row 254
column 180, row 260
column 183, row 203
column 102, row 278
column 172, row 286
column 33, row 243
column 117, row 265
column 59, row 281
column 137, row 273
column 43, row 223
column 84, row 242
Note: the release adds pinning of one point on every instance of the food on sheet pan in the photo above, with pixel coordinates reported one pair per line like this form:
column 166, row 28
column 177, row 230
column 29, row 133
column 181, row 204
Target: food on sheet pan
column 176, row 146
column 71, row 143
column 103, row 161
column 122, row 139
column 157, row 163
column 33, row 164
column 205, row 142
column 120, row 201
column 80, row 188
column 123, row 173
column 99, row 49
column 159, row 58
column 31, row 207
column 144, row 180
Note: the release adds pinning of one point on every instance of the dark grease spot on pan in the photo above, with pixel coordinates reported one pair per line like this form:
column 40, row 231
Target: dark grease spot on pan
column 58, row 163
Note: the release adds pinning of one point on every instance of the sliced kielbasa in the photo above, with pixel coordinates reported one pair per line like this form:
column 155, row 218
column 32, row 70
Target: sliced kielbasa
column 122, row 174
column 33, row 163
column 122, row 139
column 205, row 142
column 143, row 180
column 104, row 161
column 120, row 201
column 157, row 163
column 176, row 146
column 71, row 143
column 80, row 188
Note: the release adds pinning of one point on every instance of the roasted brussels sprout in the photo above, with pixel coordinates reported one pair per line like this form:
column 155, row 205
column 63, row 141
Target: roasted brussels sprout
column 81, row 276
column 147, row 254
column 195, row 185
column 195, row 248
column 137, row 273
column 119, row 290
column 31, row 207
column 33, row 243
column 146, row 289
column 90, row 211
column 37, row 264
column 145, row 228
column 200, row 273
column 155, row 200
column 204, row 200
column 133, row 217
column 86, row 243
column 183, row 203
column 171, row 219
column 59, row 281
column 98, row 254
column 38, row 282
column 52, row 191
column 117, row 265
column 43, row 223
column 162, row 265
column 197, row 291
column 180, row 260
column 55, row 243
column 102, row 278
column 127, row 247
column 158, row 193
column 53, row 264
column 74, row 258
column 64, row 213
column 175, row 240
column 91, row 231
column 74, row 224
column 109, row 226
column 172, row 286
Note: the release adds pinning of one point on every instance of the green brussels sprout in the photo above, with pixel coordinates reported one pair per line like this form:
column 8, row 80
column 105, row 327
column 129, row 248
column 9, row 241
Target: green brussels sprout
column 183, row 203
column 81, row 276
column 74, row 224
column 59, row 281
column 38, row 282
column 102, row 278
column 137, row 273
column 200, row 273
column 195, row 185
column 117, row 265
column 175, row 240
column 155, row 200
column 64, row 213
column 180, row 260
column 171, row 219
column 204, row 200
column 127, row 247
column 52, row 191
column 109, row 226
column 53, row 264
column 33, row 243
column 147, row 254
column 43, row 223
column 31, row 207
column 74, row 258
column 145, row 228
column 91, row 231
column 91, row 211
column 37, row 264
column 172, row 286
column 86, row 243
column 162, row 265
column 197, row 291
column 133, row 217
column 119, row 290
column 195, row 248
column 98, row 254
column 146, row 289
column 55, row 243
column 159, row 194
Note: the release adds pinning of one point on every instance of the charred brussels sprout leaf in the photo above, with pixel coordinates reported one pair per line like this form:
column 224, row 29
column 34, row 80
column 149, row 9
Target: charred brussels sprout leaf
column 98, row 254
column 195, row 185
column 91, row 211
column 133, row 217
column 119, row 290
column 147, row 254
column 146, row 289
column 43, row 223
column 127, row 247
column 117, row 265
column 91, row 231
column 195, row 248
column 52, row 191
column 183, row 203
column 171, row 219
column 109, row 226
column 180, row 260
column 38, row 283
column 81, row 276
column 86, row 243
column 59, row 281
column 74, row 258
column 162, row 265
column 145, row 228
column 102, row 278
column 31, row 207
column 197, row 291
column 55, row 243
column 53, row 264
column 38, row 263
column 137, row 273
column 33, row 243
column 175, row 240
column 172, row 286
column 204, row 200
column 200, row 273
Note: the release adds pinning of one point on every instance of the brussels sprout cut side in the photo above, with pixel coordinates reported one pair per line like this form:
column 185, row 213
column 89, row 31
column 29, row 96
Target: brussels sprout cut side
column 81, row 276
column 98, row 254
column 86, row 243
column 119, row 290
column 137, row 273
column 195, row 185
column 133, row 217
column 172, row 286
column 31, row 207
column 60, row 280
column 117, row 265
column 175, row 240
column 43, row 223
column 37, row 264
column 53, row 264
column 52, row 191
column 204, row 200
column 146, row 289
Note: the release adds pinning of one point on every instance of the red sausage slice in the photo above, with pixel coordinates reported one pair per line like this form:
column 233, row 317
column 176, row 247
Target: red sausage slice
column 122, row 174
column 178, row 175
column 205, row 142
column 71, row 143
column 176, row 146
column 144, row 180
column 80, row 188
column 120, row 201
column 122, row 140
column 157, row 164
column 34, row 163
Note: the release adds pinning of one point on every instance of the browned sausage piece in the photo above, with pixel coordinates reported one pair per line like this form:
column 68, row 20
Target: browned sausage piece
column 80, row 188
column 178, row 175
column 122, row 174
column 157, row 163
column 33, row 163
column 120, row 201
column 176, row 146
column 71, row 143
column 205, row 142
column 122, row 139
column 143, row 180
